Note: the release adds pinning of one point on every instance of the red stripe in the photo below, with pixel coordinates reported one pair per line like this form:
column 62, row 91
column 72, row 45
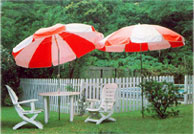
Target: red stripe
column 176, row 44
column 79, row 45
column 15, row 54
column 42, row 55
column 33, row 39
column 93, row 29
column 135, row 47
column 102, row 49
column 49, row 31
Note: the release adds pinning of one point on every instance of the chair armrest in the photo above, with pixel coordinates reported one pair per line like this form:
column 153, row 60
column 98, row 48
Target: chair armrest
column 107, row 101
column 27, row 101
column 92, row 100
column 32, row 105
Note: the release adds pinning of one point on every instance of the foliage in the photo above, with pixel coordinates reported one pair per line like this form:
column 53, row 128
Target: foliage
column 163, row 98
column 10, row 76
column 82, row 103
column 82, row 100
column 21, row 19
column 69, row 88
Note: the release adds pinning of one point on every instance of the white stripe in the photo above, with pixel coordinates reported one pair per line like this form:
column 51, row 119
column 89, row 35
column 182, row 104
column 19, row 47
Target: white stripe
column 159, row 45
column 24, row 57
column 145, row 34
column 66, row 53
column 76, row 27
column 23, row 44
column 115, row 48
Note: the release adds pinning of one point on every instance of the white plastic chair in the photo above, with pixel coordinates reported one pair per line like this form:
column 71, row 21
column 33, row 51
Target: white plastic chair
column 22, row 113
column 106, row 107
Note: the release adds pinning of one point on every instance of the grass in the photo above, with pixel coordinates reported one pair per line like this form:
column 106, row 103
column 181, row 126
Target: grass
column 127, row 123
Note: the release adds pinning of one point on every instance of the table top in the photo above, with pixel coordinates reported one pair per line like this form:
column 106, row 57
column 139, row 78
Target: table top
column 59, row 93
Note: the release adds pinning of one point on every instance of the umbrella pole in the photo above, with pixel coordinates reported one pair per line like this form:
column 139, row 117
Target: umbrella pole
column 59, row 98
column 58, row 81
column 142, row 82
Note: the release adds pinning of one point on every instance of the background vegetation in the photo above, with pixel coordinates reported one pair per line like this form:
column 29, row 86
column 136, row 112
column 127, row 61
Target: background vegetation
column 22, row 18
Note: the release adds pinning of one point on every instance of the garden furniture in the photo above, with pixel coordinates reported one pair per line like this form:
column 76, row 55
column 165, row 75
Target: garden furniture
column 106, row 107
column 46, row 96
column 22, row 113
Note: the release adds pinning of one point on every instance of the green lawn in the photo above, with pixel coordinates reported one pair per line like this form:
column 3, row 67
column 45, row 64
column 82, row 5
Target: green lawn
column 130, row 122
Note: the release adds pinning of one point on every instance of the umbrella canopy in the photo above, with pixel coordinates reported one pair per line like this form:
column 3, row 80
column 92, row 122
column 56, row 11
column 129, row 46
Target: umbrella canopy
column 55, row 45
column 141, row 37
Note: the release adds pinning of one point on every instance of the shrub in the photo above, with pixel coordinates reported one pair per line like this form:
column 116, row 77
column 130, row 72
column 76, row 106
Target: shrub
column 9, row 76
column 163, row 97
column 81, row 101
column 82, row 104
column 70, row 88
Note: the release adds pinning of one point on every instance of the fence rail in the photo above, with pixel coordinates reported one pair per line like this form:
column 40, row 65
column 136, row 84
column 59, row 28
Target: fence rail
column 128, row 97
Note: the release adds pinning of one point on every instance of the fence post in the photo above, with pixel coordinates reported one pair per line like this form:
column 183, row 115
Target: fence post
column 185, row 89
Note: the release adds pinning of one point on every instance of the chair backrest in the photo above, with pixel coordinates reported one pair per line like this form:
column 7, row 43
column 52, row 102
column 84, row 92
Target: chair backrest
column 108, row 97
column 12, row 94
column 14, row 99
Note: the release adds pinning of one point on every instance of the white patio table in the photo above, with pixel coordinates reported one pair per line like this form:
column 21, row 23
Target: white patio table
column 46, row 102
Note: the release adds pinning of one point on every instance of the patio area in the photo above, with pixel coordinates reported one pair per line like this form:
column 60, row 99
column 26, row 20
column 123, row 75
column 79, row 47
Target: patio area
column 127, row 122
column 97, row 67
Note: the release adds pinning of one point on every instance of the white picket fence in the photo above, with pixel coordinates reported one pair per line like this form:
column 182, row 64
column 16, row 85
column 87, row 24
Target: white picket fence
column 128, row 97
column 188, row 89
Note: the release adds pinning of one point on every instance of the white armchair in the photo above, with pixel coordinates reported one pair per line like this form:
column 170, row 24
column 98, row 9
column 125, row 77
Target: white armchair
column 106, row 107
column 22, row 113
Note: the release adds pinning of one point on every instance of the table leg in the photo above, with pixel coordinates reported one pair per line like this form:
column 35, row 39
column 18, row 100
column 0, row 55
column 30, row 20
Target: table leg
column 71, row 109
column 59, row 103
column 46, row 109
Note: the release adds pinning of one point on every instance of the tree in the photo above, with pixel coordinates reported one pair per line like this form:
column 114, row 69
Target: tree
column 22, row 19
column 9, row 76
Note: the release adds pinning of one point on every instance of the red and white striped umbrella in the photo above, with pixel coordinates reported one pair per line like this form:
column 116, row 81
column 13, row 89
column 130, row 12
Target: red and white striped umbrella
column 47, row 45
column 141, row 37
column 56, row 45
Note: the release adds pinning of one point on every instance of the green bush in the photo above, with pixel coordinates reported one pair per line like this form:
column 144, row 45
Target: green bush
column 70, row 88
column 163, row 98
column 9, row 76
column 81, row 101
column 82, row 104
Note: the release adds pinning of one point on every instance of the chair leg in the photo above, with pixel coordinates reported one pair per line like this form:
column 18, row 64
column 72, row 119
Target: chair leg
column 103, row 117
column 19, row 125
column 86, row 120
column 100, row 121
column 36, row 123
column 34, row 117
column 32, row 121
column 111, row 119
column 107, row 117
column 90, row 116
